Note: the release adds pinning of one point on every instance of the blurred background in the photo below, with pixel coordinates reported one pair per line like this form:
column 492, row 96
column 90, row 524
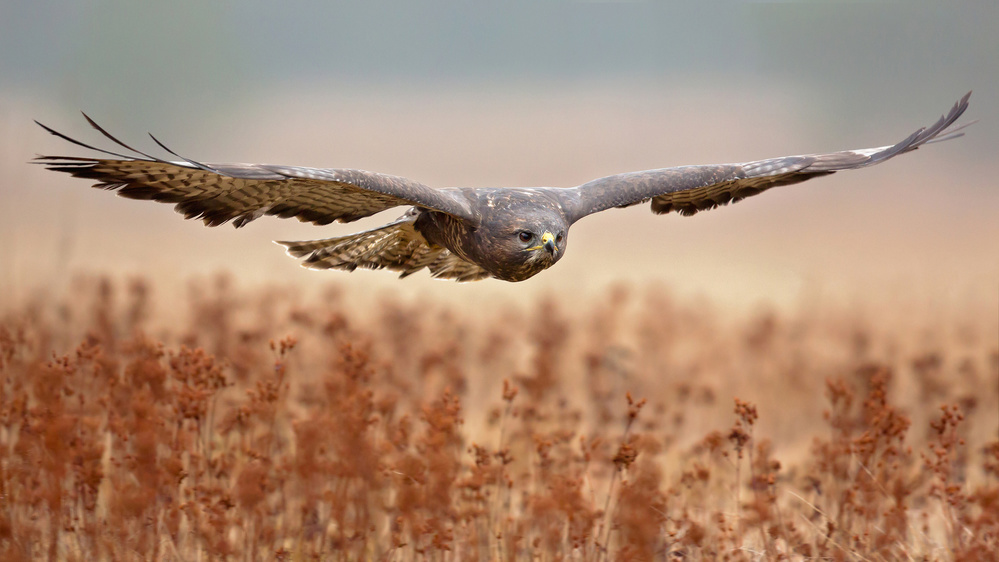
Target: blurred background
column 522, row 94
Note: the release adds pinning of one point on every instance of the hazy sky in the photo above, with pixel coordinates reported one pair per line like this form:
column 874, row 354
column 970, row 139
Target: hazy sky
column 523, row 92
column 132, row 58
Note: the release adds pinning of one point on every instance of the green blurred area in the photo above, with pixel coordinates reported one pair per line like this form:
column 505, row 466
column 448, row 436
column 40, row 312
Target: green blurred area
column 185, row 60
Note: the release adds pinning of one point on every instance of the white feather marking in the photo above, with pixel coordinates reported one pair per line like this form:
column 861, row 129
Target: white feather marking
column 868, row 152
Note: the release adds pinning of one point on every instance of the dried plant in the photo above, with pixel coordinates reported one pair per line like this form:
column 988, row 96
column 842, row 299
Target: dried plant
column 269, row 427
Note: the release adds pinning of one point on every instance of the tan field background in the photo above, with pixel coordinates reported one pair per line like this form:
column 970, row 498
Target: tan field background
column 848, row 310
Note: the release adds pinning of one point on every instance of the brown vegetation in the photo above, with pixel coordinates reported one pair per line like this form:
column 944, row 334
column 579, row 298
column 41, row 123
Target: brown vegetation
column 277, row 427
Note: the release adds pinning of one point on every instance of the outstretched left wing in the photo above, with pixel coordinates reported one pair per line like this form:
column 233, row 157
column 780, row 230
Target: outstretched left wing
column 219, row 193
column 689, row 189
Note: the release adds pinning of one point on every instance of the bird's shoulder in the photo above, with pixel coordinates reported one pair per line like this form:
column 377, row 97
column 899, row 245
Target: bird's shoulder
column 485, row 199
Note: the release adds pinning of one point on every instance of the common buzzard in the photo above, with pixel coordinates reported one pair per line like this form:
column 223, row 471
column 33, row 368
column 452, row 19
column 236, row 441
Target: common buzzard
column 464, row 233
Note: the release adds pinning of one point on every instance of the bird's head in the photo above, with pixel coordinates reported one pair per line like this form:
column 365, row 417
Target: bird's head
column 526, row 239
column 541, row 244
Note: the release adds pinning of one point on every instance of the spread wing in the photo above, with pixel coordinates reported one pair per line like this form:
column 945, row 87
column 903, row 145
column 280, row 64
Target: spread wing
column 689, row 189
column 219, row 193
column 397, row 246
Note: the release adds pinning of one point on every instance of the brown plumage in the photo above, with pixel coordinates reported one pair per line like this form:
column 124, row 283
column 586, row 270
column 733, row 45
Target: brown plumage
column 456, row 233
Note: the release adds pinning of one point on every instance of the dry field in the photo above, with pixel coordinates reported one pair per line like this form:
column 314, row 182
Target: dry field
column 266, row 424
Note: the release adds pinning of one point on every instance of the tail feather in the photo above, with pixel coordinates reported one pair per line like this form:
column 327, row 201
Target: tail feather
column 397, row 246
column 303, row 248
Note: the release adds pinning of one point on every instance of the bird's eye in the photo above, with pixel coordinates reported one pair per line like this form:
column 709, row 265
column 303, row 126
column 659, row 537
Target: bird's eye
column 525, row 236
column 558, row 239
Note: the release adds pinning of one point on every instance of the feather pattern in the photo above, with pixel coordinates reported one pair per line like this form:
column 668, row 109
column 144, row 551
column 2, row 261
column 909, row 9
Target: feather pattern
column 397, row 246
column 219, row 193
column 690, row 189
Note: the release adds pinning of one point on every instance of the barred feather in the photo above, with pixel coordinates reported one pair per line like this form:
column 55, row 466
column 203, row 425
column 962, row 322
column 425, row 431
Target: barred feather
column 397, row 246
column 690, row 189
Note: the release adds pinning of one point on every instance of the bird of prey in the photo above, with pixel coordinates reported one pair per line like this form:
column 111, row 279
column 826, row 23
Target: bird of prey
column 461, row 233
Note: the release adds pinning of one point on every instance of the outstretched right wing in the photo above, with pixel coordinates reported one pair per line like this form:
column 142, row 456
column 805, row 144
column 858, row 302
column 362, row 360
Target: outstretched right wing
column 219, row 193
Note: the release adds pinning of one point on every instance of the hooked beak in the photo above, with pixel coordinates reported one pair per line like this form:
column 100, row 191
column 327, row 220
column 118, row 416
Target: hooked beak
column 548, row 241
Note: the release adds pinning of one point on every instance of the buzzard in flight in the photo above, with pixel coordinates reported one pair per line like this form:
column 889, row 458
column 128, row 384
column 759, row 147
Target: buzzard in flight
column 457, row 233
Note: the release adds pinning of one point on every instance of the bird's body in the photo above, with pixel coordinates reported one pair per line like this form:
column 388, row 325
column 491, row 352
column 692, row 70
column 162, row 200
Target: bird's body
column 457, row 233
column 504, row 216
